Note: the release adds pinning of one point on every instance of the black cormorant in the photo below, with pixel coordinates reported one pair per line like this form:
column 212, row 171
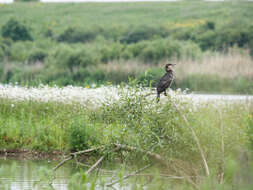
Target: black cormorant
column 165, row 81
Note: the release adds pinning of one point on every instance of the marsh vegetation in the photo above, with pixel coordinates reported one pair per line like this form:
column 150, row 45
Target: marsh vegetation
column 143, row 128
column 175, row 144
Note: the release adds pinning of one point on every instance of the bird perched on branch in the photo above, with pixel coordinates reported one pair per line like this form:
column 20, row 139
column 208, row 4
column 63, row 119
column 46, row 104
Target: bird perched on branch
column 165, row 81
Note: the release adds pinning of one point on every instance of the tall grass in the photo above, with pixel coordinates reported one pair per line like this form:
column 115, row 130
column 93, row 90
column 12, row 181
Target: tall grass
column 219, row 73
column 231, row 65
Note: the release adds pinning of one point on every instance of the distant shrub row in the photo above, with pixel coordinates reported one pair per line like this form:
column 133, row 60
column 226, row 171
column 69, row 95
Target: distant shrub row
column 101, row 51
column 206, row 36
column 74, row 55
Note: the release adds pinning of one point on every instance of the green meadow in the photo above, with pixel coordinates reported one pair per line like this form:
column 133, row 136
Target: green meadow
column 86, row 43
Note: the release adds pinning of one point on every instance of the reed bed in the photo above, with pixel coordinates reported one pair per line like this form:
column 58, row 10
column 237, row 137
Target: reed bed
column 231, row 65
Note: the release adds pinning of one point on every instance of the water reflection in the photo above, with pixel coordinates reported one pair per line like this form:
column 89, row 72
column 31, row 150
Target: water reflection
column 25, row 174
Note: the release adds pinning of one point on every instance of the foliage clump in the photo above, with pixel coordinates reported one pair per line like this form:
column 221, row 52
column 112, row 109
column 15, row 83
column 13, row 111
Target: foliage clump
column 82, row 136
column 74, row 35
column 16, row 31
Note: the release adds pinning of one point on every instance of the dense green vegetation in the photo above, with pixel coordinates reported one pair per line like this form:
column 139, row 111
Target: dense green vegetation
column 137, row 121
column 73, row 43
column 82, row 44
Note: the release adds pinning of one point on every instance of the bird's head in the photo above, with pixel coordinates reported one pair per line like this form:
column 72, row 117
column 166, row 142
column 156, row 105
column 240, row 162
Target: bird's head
column 169, row 66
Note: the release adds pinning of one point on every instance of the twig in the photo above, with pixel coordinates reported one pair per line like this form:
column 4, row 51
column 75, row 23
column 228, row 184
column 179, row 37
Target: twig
column 82, row 164
column 86, row 151
column 160, row 175
column 88, row 166
column 63, row 162
column 127, row 176
column 186, row 177
column 95, row 165
column 74, row 154
column 195, row 138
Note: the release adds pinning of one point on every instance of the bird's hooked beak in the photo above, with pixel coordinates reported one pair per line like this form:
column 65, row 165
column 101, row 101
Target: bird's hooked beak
column 169, row 66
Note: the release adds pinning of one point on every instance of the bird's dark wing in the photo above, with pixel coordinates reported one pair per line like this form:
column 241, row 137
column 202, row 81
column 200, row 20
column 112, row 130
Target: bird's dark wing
column 165, row 82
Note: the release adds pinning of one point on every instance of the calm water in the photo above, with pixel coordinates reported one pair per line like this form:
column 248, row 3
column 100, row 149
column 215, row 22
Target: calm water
column 24, row 174
column 18, row 174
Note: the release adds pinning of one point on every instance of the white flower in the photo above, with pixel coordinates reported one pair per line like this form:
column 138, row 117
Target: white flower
column 105, row 94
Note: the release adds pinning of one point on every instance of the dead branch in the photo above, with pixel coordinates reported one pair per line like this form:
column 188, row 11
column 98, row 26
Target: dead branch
column 86, row 151
column 88, row 166
column 127, row 176
column 195, row 138
column 82, row 164
column 62, row 162
column 74, row 154
column 160, row 175
column 154, row 156
column 95, row 165
column 186, row 177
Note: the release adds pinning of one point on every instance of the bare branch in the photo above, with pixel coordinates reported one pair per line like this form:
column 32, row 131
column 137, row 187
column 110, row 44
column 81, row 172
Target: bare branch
column 74, row 154
column 127, row 176
column 95, row 165
column 62, row 162
column 86, row 151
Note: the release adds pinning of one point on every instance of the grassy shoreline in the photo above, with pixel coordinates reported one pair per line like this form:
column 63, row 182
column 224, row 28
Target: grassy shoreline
column 138, row 122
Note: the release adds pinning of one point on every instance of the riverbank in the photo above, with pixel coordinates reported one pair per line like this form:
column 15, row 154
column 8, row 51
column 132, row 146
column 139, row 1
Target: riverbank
column 30, row 154
column 133, row 129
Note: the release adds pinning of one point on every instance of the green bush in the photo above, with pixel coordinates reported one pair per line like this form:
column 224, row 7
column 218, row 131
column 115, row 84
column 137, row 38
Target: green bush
column 16, row 31
column 110, row 52
column 150, row 77
column 223, row 37
column 74, row 35
column 210, row 25
column 207, row 40
column 37, row 55
column 2, row 55
column 168, row 48
column 5, row 45
column 142, row 33
column 19, row 51
column 69, row 57
column 82, row 136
